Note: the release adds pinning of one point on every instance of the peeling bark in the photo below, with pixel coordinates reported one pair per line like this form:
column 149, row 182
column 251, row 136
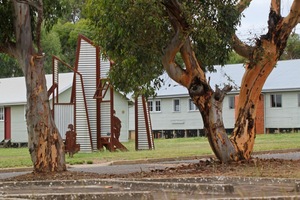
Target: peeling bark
column 45, row 144
column 262, row 60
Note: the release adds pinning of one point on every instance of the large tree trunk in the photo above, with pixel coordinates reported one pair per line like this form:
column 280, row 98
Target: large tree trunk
column 45, row 143
column 263, row 58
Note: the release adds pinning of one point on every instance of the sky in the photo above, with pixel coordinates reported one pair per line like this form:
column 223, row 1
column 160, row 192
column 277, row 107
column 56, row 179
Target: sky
column 256, row 18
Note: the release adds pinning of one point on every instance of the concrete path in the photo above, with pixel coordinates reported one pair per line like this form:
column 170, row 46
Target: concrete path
column 150, row 189
column 124, row 167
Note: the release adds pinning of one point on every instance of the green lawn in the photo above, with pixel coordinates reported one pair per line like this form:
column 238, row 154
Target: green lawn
column 164, row 148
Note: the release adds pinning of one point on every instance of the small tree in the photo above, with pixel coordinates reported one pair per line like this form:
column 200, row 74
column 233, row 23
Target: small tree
column 138, row 35
column 20, row 26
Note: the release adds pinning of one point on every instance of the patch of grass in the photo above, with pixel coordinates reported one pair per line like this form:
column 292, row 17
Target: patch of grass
column 89, row 162
column 164, row 148
column 278, row 141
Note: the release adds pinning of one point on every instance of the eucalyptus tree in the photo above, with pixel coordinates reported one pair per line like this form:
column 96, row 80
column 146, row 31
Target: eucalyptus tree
column 146, row 37
column 20, row 37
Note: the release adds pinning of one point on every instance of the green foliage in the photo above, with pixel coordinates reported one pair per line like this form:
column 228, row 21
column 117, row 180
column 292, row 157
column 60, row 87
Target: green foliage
column 52, row 11
column 131, row 34
column 6, row 22
column 292, row 50
column 51, row 46
column 235, row 58
column 68, row 34
column 73, row 10
column 9, row 67
column 134, row 33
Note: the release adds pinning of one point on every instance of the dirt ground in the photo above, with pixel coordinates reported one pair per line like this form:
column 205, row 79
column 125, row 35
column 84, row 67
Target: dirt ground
column 276, row 168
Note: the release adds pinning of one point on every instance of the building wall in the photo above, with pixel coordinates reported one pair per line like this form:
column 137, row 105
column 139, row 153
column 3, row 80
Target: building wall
column 65, row 97
column 228, row 113
column 122, row 112
column 287, row 116
column 1, row 130
column 167, row 119
column 185, row 119
column 18, row 125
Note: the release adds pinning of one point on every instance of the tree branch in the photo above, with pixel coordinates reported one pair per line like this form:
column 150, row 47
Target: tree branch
column 241, row 48
column 275, row 6
column 32, row 3
column 38, row 5
column 242, row 5
column 181, row 29
column 293, row 18
column 190, row 60
column 39, row 26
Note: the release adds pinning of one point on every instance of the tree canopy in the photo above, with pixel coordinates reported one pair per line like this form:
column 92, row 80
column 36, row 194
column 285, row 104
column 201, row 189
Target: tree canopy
column 139, row 35
column 134, row 34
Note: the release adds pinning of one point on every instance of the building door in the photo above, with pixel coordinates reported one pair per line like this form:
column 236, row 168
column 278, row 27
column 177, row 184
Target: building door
column 7, row 123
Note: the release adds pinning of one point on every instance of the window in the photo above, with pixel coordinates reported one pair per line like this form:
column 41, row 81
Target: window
column 154, row 106
column 1, row 114
column 150, row 105
column 231, row 102
column 276, row 100
column 176, row 105
column 192, row 106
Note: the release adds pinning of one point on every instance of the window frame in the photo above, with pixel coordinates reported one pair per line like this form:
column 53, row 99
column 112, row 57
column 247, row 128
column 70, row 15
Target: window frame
column 150, row 105
column 192, row 107
column 176, row 107
column 154, row 105
column 298, row 99
column 274, row 101
column 2, row 116
column 231, row 102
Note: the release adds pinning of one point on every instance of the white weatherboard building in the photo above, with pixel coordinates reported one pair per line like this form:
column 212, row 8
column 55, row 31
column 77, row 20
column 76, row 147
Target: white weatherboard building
column 13, row 107
column 173, row 114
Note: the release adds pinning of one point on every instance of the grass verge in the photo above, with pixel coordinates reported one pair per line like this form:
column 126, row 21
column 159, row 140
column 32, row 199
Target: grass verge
column 164, row 148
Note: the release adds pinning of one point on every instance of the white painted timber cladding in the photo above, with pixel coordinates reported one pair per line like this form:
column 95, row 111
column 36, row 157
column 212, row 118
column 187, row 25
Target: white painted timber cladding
column 287, row 116
column 143, row 127
column 63, row 115
column 87, row 67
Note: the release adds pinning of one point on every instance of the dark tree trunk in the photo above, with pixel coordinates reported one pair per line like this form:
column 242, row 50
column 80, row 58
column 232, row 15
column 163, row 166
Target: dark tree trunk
column 45, row 143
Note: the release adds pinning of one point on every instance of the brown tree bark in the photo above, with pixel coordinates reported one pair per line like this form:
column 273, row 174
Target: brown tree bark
column 262, row 59
column 45, row 144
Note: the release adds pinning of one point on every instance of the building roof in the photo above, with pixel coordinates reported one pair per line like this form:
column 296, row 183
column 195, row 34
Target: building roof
column 284, row 77
column 13, row 90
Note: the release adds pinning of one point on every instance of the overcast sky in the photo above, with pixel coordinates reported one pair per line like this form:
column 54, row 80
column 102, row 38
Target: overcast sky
column 256, row 17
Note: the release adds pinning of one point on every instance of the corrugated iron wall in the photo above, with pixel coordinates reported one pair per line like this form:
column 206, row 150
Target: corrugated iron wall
column 86, row 126
column 63, row 116
column 106, row 103
column 144, row 136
